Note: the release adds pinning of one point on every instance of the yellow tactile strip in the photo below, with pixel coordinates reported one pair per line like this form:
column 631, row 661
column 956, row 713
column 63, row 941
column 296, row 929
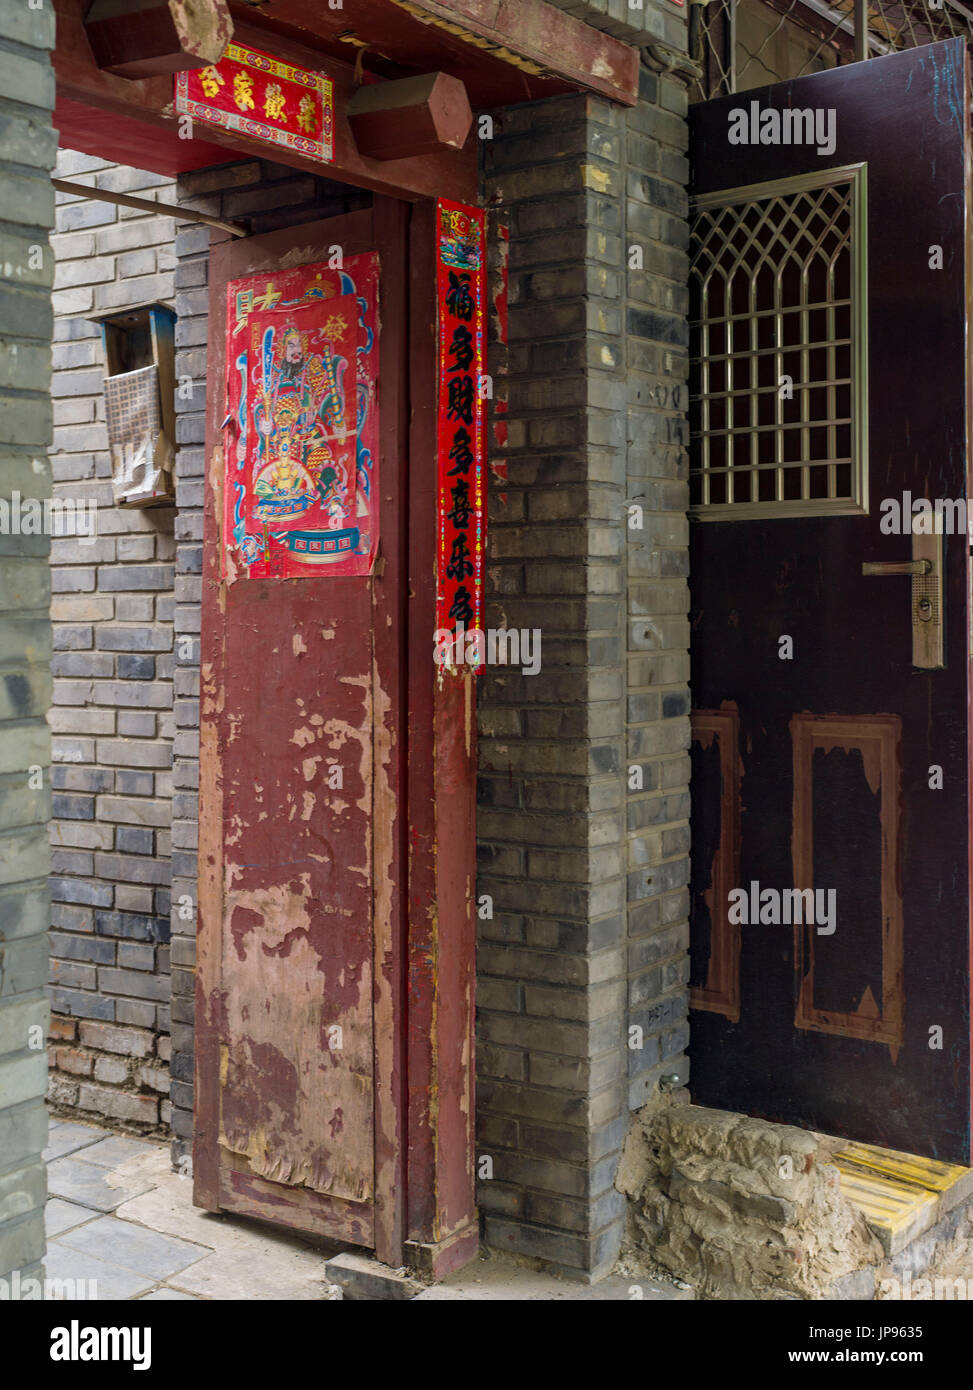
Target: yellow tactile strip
column 927, row 1173
column 892, row 1189
column 891, row 1205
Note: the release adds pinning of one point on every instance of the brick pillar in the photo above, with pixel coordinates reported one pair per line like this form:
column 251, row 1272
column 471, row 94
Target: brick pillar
column 28, row 146
column 586, row 868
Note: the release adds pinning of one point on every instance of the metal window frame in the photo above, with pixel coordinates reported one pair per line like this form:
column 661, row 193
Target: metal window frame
column 856, row 503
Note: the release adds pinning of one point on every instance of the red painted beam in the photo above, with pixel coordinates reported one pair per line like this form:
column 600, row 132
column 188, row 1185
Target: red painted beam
column 543, row 35
column 150, row 102
column 131, row 140
column 503, row 50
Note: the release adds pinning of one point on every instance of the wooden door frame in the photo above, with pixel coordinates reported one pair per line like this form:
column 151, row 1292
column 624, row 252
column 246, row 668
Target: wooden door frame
column 443, row 1225
column 424, row 816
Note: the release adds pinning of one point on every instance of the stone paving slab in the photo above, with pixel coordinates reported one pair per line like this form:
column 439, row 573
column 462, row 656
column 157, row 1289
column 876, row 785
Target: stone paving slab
column 65, row 1138
column 133, row 1247
column 168, row 1207
column 157, row 1245
column 60, row 1216
column 111, row 1280
column 120, row 1216
column 268, row 1274
column 90, row 1185
column 114, row 1149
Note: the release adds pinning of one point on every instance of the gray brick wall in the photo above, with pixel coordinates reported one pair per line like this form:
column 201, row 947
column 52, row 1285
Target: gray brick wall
column 112, row 718
column 27, row 150
column 261, row 196
column 587, row 870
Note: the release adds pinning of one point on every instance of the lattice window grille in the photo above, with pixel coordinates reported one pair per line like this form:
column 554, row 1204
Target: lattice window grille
column 778, row 345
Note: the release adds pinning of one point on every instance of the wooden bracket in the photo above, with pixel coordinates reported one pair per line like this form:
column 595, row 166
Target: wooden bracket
column 412, row 116
column 148, row 38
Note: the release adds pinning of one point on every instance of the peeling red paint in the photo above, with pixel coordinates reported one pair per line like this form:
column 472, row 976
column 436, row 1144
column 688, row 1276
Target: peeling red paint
column 303, row 1051
column 243, row 921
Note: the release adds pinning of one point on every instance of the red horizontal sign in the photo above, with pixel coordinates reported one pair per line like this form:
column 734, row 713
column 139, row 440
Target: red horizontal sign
column 264, row 98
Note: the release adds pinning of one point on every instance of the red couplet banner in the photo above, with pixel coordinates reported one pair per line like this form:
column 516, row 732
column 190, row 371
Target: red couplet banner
column 461, row 299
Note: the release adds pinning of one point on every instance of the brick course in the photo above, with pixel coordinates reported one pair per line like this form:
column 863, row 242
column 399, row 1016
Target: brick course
column 112, row 669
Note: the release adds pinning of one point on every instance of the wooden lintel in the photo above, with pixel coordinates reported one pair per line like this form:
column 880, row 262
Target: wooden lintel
column 539, row 38
column 104, row 113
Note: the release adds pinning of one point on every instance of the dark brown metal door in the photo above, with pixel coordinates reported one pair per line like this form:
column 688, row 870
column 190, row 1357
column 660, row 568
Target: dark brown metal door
column 830, row 642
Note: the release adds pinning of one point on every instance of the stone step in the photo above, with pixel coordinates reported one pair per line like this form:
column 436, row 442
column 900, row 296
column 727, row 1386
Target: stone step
column 900, row 1195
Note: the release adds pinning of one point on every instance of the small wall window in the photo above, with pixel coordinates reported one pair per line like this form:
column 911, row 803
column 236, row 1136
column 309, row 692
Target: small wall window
column 139, row 404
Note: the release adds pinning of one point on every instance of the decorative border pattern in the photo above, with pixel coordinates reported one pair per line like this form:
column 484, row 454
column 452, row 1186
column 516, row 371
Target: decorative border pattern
column 300, row 119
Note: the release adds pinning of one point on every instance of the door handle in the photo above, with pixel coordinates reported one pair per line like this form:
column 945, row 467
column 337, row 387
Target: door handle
column 876, row 567
column 926, row 571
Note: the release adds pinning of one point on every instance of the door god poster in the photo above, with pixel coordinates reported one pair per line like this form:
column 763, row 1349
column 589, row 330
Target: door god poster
column 301, row 429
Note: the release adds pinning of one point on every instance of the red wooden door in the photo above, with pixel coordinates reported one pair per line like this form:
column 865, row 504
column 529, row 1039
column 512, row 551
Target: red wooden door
column 830, row 684
column 300, row 967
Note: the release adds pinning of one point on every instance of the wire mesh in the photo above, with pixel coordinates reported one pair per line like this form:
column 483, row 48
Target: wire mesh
column 742, row 44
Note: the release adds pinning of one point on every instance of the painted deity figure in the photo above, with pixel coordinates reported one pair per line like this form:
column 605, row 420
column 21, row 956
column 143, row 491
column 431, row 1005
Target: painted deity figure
column 300, row 415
